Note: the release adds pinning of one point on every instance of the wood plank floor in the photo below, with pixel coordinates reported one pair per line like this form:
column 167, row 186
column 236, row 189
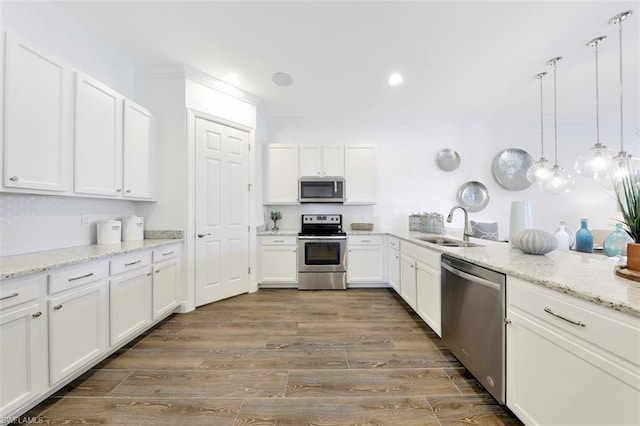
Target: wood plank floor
column 282, row 357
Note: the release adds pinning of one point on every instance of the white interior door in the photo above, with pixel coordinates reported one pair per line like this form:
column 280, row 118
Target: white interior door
column 222, row 212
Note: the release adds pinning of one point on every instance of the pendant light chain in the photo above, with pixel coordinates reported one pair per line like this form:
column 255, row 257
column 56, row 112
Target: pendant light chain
column 621, row 86
column 554, row 62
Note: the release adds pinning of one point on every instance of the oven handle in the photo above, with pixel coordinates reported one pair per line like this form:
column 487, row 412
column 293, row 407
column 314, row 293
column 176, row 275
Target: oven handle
column 328, row 237
column 470, row 277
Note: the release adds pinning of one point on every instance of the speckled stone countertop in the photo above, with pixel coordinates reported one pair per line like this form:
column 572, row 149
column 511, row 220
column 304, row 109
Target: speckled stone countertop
column 282, row 232
column 31, row 263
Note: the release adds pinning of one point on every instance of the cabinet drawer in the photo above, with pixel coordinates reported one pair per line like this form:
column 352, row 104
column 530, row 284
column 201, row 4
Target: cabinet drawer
column 605, row 328
column 164, row 253
column 424, row 255
column 130, row 262
column 393, row 243
column 19, row 290
column 369, row 240
column 273, row 240
column 75, row 276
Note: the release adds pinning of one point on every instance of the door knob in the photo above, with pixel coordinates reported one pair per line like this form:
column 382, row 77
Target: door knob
column 203, row 235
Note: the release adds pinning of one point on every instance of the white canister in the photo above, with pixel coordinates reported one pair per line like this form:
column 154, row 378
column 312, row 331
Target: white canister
column 520, row 218
column 109, row 231
column 132, row 228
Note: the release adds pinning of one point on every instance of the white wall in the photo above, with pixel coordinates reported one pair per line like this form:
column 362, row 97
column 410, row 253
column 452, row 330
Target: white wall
column 408, row 179
column 30, row 223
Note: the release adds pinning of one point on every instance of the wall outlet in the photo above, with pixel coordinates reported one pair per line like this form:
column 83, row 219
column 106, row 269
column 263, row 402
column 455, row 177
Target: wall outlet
column 86, row 220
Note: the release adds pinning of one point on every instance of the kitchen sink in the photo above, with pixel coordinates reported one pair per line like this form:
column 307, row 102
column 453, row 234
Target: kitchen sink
column 448, row 242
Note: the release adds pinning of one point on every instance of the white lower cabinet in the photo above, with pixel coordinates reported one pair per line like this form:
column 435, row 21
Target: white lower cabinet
column 129, row 304
column 428, row 296
column 365, row 259
column 570, row 362
column 166, row 279
column 393, row 263
column 23, row 342
column 278, row 260
column 78, row 324
column 408, row 280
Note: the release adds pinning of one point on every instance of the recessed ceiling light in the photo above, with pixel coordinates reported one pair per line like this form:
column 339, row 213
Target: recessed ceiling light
column 282, row 79
column 395, row 79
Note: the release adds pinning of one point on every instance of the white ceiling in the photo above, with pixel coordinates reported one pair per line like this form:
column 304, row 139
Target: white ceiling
column 471, row 59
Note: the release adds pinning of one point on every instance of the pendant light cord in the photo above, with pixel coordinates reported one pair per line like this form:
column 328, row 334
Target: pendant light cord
column 555, row 111
column 539, row 77
column 596, row 43
column 618, row 20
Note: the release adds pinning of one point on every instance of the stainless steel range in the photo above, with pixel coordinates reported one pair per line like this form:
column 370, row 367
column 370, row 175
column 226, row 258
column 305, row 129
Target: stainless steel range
column 322, row 253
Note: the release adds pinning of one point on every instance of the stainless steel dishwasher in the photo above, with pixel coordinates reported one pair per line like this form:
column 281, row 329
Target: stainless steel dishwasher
column 473, row 328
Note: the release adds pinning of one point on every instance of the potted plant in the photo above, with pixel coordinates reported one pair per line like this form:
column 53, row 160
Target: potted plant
column 628, row 198
column 275, row 217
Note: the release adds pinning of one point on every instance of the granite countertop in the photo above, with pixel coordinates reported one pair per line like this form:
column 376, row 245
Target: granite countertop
column 31, row 263
column 583, row 275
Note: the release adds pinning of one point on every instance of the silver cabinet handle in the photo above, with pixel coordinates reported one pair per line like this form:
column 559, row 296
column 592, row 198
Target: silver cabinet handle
column 365, row 241
column 119, row 190
column 168, row 253
column 203, row 235
column 57, row 307
column 133, row 263
column 37, row 314
column 278, row 241
column 79, row 278
column 10, row 296
column 157, row 271
column 128, row 191
column 578, row 323
column 149, row 274
column 13, row 178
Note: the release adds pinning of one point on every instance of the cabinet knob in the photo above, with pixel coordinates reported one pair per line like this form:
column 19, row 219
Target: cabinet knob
column 507, row 321
column 128, row 191
column 37, row 314
column 157, row 271
column 57, row 307
column 13, row 178
column 119, row 190
column 149, row 274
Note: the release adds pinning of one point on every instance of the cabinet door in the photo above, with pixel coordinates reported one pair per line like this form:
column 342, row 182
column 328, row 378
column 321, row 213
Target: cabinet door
column 360, row 174
column 37, row 143
column 365, row 264
column 23, row 357
column 310, row 160
column 166, row 277
column 408, row 280
column 333, row 160
column 77, row 329
column 129, row 304
column 394, row 269
column 278, row 264
column 138, row 171
column 97, row 138
column 428, row 296
column 552, row 380
column 281, row 174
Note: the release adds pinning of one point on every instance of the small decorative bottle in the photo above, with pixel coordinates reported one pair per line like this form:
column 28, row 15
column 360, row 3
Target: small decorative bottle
column 616, row 243
column 584, row 238
column 563, row 237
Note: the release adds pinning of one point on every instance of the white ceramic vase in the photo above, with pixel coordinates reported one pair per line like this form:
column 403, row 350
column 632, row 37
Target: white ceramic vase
column 520, row 218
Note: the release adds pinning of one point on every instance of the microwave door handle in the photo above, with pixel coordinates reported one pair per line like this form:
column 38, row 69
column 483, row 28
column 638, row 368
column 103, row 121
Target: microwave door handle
column 335, row 186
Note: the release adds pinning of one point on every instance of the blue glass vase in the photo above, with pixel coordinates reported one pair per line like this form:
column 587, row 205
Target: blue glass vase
column 584, row 238
column 616, row 243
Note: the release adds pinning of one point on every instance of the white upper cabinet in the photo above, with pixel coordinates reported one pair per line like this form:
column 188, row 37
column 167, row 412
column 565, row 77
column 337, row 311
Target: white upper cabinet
column 138, row 169
column 281, row 174
column 322, row 161
column 360, row 174
column 97, row 138
column 37, row 144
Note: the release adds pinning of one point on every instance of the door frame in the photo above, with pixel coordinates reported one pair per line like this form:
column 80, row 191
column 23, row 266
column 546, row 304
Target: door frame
column 190, row 232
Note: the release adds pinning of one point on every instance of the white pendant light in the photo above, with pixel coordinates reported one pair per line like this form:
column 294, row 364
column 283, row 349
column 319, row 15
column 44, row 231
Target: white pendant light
column 559, row 181
column 538, row 170
column 596, row 163
column 624, row 164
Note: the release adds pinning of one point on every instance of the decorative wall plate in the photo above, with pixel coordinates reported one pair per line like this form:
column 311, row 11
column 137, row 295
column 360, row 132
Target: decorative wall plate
column 510, row 169
column 473, row 196
column 448, row 160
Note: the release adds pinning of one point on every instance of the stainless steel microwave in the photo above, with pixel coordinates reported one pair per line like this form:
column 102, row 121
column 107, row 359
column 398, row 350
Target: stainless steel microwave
column 321, row 190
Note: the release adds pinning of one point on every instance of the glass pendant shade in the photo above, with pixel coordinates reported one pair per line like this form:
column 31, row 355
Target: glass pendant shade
column 595, row 163
column 538, row 171
column 558, row 182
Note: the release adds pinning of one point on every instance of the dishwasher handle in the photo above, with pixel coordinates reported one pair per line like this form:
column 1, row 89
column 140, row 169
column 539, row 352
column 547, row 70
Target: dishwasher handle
column 472, row 278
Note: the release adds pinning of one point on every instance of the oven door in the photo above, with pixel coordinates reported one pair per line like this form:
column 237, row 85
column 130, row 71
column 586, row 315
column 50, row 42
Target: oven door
column 322, row 254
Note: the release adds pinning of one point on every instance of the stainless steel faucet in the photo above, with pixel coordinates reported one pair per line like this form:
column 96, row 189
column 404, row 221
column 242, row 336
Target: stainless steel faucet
column 467, row 230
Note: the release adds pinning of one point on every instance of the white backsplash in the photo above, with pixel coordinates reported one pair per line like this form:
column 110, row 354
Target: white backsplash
column 31, row 223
